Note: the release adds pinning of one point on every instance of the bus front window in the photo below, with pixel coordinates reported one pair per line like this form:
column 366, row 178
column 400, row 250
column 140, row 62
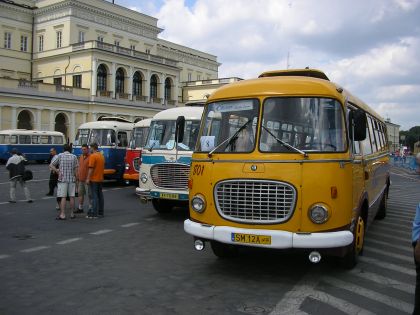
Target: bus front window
column 103, row 137
column 308, row 124
column 82, row 136
column 138, row 137
column 161, row 135
column 229, row 127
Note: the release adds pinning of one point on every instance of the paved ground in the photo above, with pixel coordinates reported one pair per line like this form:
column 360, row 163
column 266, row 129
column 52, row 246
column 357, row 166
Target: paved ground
column 135, row 261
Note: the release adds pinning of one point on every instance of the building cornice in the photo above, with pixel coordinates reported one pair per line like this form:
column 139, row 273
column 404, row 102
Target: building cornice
column 89, row 13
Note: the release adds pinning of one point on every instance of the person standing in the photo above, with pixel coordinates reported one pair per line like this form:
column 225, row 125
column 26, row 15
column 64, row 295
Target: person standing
column 67, row 175
column 83, row 188
column 94, row 179
column 16, row 167
column 53, row 175
column 415, row 238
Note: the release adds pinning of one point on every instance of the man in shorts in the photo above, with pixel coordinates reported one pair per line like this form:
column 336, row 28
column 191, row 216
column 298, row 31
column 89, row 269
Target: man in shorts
column 83, row 187
column 67, row 175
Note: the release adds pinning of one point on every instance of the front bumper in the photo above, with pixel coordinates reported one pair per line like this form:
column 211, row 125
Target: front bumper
column 279, row 239
column 131, row 177
column 143, row 193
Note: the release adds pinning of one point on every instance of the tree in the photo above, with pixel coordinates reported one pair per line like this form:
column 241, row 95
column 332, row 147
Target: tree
column 411, row 137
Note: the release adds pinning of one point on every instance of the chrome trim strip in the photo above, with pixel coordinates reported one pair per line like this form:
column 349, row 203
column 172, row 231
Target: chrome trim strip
column 376, row 157
column 274, row 161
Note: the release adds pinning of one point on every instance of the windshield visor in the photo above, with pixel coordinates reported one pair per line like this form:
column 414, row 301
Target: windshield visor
column 230, row 125
column 308, row 124
column 162, row 135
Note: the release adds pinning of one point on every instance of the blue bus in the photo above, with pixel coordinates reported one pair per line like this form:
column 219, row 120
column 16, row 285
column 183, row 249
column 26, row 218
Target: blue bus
column 111, row 134
column 33, row 144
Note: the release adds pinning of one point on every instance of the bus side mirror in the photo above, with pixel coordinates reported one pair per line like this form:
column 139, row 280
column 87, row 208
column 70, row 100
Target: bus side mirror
column 180, row 124
column 358, row 125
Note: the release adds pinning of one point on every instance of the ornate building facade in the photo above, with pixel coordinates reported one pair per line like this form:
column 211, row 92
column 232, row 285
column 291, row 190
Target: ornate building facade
column 65, row 62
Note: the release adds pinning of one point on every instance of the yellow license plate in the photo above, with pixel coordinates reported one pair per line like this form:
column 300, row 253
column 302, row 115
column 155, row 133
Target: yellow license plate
column 251, row 238
column 169, row 196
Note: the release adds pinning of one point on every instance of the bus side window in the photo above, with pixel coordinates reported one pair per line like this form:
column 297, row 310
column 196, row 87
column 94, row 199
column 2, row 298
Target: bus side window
column 35, row 140
column 58, row 140
column 24, row 139
column 356, row 144
column 13, row 139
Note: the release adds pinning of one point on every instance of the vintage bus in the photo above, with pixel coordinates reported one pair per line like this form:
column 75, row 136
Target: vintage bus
column 166, row 157
column 35, row 145
column 111, row 134
column 132, row 154
column 288, row 160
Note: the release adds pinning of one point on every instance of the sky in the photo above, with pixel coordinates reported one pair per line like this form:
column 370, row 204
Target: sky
column 371, row 48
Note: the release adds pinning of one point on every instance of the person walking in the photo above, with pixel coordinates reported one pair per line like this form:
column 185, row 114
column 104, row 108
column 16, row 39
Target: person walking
column 67, row 175
column 52, row 183
column 94, row 179
column 83, row 188
column 16, row 167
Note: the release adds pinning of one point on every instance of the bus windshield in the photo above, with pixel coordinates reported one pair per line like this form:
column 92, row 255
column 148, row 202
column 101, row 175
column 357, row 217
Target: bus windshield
column 103, row 137
column 138, row 137
column 305, row 123
column 229, row 126
column 82, row 136
column 162, row 135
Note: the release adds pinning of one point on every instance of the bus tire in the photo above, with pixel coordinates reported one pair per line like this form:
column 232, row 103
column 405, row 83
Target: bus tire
column 162, row 206
column 381, row 214
column 351, row 258
column 222, row 250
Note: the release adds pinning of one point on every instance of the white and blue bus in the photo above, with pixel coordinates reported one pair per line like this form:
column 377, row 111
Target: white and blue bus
column 33, row 144
column 166, row 157
column 111, row 134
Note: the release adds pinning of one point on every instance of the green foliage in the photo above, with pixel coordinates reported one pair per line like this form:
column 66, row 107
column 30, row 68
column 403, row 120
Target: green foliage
column 411, row 137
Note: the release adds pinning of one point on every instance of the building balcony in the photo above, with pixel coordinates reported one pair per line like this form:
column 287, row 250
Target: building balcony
column 93, row 44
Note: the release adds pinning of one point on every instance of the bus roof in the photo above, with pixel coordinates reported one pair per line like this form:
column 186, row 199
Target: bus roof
column 173, row 113
column 276, row 86
column 314, row 73
column 30, row 132
column 106, row 125
column 143, row 123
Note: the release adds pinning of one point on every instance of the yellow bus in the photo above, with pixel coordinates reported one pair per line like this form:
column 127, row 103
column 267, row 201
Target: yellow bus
column 288, row 160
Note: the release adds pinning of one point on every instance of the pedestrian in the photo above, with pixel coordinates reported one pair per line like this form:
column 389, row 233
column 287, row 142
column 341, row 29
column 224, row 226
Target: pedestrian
column 83, row 188
column 16, row 167
column 94, row 179
column 66, row 165
column 52, row 183
column 416, row 246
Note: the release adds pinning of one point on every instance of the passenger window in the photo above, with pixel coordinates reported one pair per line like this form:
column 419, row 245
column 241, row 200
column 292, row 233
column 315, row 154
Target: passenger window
column 58, row 140
column 366, row 145
column 35, row 139
column 23, row 139
column 13, row 139
column 372, row 135
column 122, row 139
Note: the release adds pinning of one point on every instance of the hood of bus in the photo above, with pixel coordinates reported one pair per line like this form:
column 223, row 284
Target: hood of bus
column 313, row 181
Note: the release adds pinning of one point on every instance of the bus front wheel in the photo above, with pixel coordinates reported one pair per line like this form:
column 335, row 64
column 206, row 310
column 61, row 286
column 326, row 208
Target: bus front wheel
column 352, row 256
column 162, row 206
column 222, row 250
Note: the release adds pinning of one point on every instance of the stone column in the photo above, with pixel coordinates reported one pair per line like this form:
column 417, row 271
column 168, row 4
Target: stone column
column 52, row 120
column 112, row 85
column 130, row 83
column 147, row 86
column 94, row 79
column 72, row 133
column 1, row 118
column 14, row 118
column 162, row 88
column 84, row 118
column 175, row 91
column 38, row 125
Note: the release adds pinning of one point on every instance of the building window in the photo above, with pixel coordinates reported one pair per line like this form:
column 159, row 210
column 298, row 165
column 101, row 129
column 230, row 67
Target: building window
column 100, row 39
column 137, row 82
column 198, row 77
column 189, row 77
column 59, row 35
column 133, row 47
column 101, row 78
column 23, row 43
column 167, row 89
column 81, row 37
column 77, row 81
column 7, row 40
column 119, row 81
column 41, row 43
column 116, row 42
column 57, row 81
column 153, row 86
column 147, row 51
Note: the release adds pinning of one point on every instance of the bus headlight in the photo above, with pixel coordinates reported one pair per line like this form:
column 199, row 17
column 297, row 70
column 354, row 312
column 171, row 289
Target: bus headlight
column 318, row 213
column 127, row 166
column 143, row 178
column 198, row 203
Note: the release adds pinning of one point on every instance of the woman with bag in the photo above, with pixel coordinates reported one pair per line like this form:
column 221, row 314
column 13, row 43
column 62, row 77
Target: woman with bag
column 16, row 167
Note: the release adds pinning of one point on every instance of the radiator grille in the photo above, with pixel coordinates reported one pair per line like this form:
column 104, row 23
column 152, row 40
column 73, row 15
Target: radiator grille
column 170, row 175
column 255, row 201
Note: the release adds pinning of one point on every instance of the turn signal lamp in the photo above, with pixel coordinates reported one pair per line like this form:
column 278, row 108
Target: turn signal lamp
column 190, row 183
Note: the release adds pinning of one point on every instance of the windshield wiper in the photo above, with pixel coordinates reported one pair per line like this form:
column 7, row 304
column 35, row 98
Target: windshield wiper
column 152, row 146
column 290, row 147
column 229, row 139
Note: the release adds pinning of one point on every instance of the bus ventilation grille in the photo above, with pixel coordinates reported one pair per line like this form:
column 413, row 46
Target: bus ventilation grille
column 170, row 175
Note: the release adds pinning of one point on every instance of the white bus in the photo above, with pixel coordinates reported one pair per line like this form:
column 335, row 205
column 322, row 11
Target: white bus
column 166, row 157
